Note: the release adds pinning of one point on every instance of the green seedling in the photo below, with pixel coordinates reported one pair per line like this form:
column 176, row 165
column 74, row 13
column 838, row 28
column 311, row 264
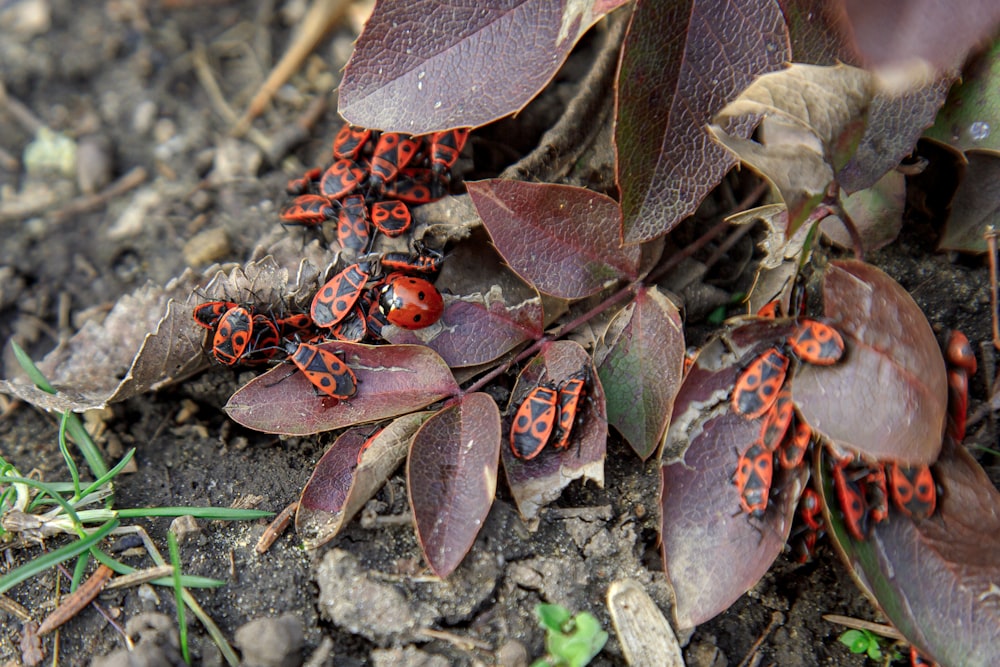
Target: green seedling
column 571, row 641
column 34, row 512
column 865, row 641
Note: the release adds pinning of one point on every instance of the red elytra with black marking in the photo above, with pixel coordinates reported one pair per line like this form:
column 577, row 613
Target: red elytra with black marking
column 769, row 310
column 410, row 302
column 325, row 370
column 777, row 420
column 534, row 422
column 917, row 660
column 757, row 387
column 391, row 217
column 850, row 496
column 913, row 490
column 232, row 336
column 349, row 141
column 335, row 299
column 754, row 473
column 208, row 314
column 353, row 228
column 413, row 185
column 308, row 211
column 299, row 186
column 392, row 152
column 427, row 261
column 817, row 343
column 795, row 444
column 446, row 147
column 342, row 178
column 570, row 395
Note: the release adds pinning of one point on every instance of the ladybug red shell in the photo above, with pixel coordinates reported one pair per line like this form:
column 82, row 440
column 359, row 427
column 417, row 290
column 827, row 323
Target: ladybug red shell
column 409, row 302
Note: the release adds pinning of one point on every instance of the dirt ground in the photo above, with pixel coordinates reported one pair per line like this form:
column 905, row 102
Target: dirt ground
column 121, row 77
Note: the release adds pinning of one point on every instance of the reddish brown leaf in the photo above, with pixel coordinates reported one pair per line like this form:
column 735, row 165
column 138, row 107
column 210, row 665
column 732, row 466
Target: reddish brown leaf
column 712, row 551
column 341, row 484
column 392, row 380
column 975, row 205
column 452, row 478
column 640, row 361
column 561, row 239
column 477, row 329
column 888, row 396
column 682, row 62
column 936, row 579
column 425, row 65
column 541, row 480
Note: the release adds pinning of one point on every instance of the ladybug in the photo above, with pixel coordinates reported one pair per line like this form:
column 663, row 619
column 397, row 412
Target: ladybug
column 341, row 178
column 299, row 186
column 335, row 299
column 795, row 444
column 307, row 211
column 413, row 185
column 570, row 395
column 353, row 230
column 325, row 370
column 349, row 141
column 776, row 420
column 817, row 343
column 427, row 261
column 851, row 499
column 392, row 152
column 445, row 149
column 409, row 302
column 208, row 314
column 753, row 479
column 534, row 422
column 913, row 490
column 391, row 217
column 757, row 387
column 233, row 335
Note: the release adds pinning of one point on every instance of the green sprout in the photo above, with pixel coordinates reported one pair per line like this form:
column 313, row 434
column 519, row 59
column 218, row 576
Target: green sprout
column 32, row 511
column 866, row 641
column 571, row 641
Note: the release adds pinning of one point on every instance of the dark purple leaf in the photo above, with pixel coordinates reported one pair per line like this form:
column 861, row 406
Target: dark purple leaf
column 975, row 205
column 936, row 579
column 561, row 239
column 683, row 61
column 424, row 65
column 541, row 480
column 452, row 478
column 712, row 551
column 341, row 484
column 888, row 396
column 392, row 380
column 641, row 362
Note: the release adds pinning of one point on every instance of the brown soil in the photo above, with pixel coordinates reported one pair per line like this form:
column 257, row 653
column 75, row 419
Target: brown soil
column 120, row 76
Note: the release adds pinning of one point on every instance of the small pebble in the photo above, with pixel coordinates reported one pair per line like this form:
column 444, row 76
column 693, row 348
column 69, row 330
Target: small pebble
column 211, row 245
column 271, row 642
column 187, row 530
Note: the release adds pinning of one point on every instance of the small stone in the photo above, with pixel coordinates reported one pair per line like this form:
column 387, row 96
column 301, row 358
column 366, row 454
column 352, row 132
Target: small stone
column 93, row 163
column 211, row 245
column 187, row 530
column 271, row 642
column 512, row 654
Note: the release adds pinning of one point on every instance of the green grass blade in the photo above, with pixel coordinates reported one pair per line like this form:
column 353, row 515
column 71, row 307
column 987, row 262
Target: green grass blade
column 74, row 472
column 110, row 475
column 73, row 425
column 79, row 571
column 175, row 560
column 187, row 580
column 53, row 558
